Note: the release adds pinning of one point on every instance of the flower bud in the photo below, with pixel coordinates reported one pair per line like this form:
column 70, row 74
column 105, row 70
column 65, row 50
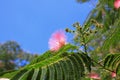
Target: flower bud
column 91, row 31
column 67, row 30
column 95, row 31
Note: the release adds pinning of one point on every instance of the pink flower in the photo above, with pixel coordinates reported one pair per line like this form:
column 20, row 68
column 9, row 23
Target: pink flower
column 4, row 79
column 113, row 74
column 57, row 40
column 94, row 76
column 117, row 4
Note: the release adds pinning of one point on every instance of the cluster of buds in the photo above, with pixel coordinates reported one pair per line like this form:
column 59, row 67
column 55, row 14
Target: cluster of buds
column 97, row 24
column 76, row 25
column 86, row 30
column 82, row 34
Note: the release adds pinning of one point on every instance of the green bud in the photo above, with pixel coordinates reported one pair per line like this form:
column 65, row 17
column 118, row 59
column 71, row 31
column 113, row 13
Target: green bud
column 85, row 25
column 76, row 24
column 67, row 30
column 95, row 31
column 93, row 21
column 91, row 31
column 87, row 34
column 82, row 43
column 79, row 28
column 73, row 31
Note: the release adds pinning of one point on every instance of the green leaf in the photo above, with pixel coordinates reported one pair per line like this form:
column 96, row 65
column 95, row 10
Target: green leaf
column 43, row 73
column 69, row 67
column 112, row 62
column 35, row 74
column 51, row 72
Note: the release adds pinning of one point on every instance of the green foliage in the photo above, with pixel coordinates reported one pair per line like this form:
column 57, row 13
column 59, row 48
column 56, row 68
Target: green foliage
column 46, row 55
column 113, row 38
column 49, row 54
column 9, row 52
column 107, row 39
column 8, row 74
column 72, row 66
column 112, row 62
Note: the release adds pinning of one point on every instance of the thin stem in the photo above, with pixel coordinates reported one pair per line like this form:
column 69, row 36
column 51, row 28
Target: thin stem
column 84, row 42
column 101, row 65
column 82, row 35
column 85, row 45
column 101, row 61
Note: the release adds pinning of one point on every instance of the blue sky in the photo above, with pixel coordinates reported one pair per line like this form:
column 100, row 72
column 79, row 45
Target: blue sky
column 31, row 22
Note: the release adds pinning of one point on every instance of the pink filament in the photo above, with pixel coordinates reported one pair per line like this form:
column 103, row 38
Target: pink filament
column 57, row 40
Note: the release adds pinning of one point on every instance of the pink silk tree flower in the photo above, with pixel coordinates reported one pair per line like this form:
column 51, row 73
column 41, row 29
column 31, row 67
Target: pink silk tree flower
column 113, row 74
column 94, row 76
column 117, row 4
column 4, row 79
column 57, row 40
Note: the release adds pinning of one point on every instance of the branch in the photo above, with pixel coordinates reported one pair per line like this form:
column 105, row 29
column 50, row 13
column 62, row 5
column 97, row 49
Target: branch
column 101, row 65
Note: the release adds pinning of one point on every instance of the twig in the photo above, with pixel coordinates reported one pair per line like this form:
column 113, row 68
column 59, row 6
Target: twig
column 101, row 65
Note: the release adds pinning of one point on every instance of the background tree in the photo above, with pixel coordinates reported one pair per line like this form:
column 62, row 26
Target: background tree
column 12, row 56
